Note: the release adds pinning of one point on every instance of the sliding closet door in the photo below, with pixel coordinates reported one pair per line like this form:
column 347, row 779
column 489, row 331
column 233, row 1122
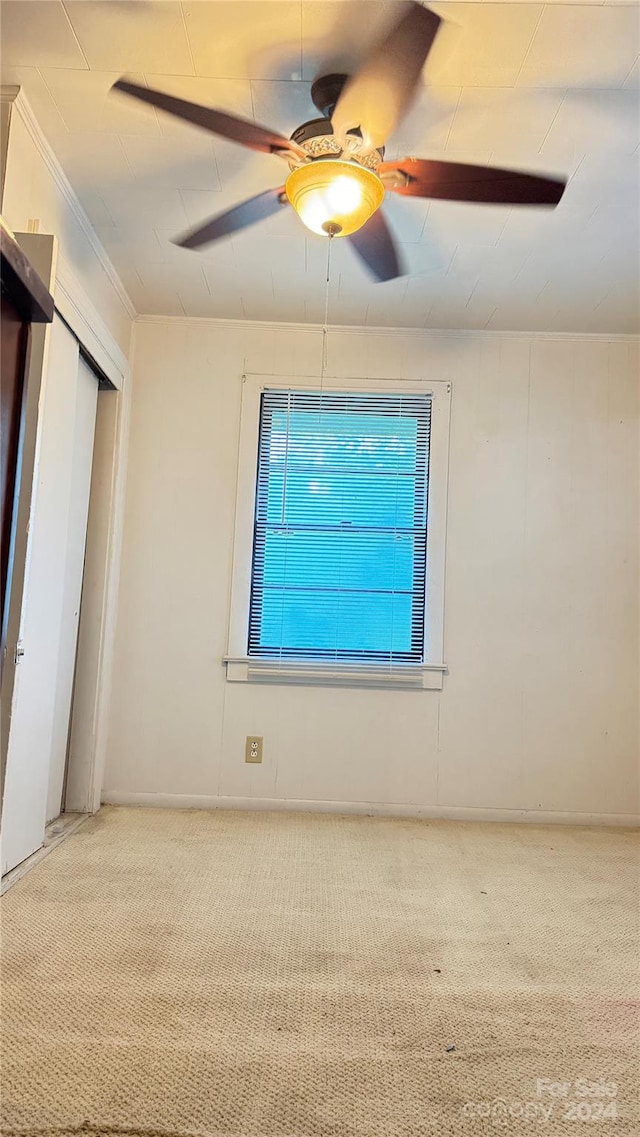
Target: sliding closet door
column 78, row 511
column 49, row 621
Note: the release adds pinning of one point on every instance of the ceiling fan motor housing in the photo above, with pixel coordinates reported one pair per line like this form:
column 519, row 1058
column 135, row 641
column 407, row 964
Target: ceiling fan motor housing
column 316, row 137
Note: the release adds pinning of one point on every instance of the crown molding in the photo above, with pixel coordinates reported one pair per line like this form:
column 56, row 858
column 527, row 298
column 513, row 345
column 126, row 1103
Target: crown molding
column 406, row 333
column 17, row 98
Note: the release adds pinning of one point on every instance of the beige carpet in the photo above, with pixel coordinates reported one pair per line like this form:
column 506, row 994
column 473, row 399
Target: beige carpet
column 292, row 975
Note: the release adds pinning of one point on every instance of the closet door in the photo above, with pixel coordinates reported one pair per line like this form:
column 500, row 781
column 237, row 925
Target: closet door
column 51, row 599
column 78, row 511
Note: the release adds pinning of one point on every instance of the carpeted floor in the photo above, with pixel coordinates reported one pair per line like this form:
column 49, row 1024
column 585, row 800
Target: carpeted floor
column 299, row 975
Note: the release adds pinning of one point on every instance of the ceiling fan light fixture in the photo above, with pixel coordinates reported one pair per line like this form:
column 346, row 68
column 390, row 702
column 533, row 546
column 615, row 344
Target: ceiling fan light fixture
column 333, row 197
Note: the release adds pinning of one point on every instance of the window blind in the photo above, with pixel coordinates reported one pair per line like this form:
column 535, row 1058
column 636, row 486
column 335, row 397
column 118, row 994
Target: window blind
column 340, row 528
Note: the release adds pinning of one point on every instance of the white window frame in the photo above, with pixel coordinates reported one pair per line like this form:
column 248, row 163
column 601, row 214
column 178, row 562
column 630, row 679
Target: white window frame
column 427, row 675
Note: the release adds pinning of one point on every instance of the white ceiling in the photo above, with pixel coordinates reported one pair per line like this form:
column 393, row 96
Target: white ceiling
column 552, row 88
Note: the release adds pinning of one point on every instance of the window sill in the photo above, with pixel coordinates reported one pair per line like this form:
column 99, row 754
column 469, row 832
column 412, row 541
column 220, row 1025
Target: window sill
column 409, row 677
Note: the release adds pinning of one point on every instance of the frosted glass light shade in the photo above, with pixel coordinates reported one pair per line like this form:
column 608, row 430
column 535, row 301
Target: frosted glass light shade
column 334, row 197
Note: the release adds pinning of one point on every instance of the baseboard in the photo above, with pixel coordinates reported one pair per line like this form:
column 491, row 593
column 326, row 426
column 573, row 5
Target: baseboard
column 369, row 808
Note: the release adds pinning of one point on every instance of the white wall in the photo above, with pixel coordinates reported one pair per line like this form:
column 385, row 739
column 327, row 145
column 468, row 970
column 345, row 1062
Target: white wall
column 539, row 711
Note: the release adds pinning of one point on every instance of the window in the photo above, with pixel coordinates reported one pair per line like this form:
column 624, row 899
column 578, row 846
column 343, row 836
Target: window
column 339, row 552
column 340, row 533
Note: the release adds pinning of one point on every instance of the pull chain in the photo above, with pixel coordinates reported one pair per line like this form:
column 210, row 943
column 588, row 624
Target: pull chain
column 325, row 326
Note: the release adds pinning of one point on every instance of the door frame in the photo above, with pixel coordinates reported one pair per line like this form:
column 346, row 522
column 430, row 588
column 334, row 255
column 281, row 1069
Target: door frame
column 103, row 354
column 96, row 648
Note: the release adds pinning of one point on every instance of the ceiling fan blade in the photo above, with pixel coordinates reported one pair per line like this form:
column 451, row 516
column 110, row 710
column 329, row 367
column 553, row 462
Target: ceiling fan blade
column 229, row 126
column 240, row 217
column 455, row 181
column 379, row 93
column 375, row 247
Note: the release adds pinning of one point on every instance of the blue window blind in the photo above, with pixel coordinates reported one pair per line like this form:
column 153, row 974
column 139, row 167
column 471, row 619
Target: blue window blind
column 340, row 537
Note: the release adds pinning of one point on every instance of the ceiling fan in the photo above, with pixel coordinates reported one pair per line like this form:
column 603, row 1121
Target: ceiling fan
column 338, row 178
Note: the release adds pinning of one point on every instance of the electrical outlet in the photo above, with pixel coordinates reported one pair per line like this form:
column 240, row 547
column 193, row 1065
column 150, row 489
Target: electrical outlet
column 253, row 748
